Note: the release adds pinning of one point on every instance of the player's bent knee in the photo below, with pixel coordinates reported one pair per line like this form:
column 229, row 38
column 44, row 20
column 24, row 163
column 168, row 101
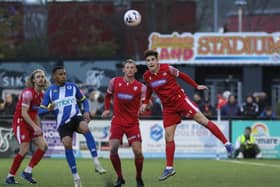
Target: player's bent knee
column 43, row 147
column 138, row 153
column 23, row 149
column 67, row 142
column 169, row 137
column 114, row 150
column 83, row 128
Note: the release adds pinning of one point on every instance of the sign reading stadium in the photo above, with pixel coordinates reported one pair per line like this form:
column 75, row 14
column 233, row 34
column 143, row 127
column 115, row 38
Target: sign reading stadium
column 217, row 48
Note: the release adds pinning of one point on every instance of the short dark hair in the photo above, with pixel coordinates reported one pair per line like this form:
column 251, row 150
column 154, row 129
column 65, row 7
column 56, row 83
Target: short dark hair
column 57, row 68
column 128, row 61
column 248, row 128
column 150, row 52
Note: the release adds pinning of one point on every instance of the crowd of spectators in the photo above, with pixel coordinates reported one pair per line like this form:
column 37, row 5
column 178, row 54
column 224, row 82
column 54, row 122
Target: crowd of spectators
column 254, row 106
column 8, row 105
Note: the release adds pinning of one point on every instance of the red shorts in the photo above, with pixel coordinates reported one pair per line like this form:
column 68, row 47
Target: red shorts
column 132, row 132
column 183, row 108
column 23, row 131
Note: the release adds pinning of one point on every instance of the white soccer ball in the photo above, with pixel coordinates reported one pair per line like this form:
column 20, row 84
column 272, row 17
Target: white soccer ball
column 132, row 18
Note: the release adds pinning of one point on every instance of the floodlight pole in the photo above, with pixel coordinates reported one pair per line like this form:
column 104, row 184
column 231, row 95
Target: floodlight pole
column 240, row 4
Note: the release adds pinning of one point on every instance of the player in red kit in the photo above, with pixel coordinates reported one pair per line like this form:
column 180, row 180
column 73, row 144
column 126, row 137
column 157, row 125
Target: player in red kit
column 26, row 126
column 127, row 95
column 161, row 78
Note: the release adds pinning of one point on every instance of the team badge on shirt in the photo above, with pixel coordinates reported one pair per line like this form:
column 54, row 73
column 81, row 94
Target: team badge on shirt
column 164, row 74
column 69, row 87
column 135, row 88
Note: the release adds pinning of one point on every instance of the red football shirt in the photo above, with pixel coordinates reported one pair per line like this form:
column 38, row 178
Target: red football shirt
column 30, row 98
column 126, row 99
column 165, row 85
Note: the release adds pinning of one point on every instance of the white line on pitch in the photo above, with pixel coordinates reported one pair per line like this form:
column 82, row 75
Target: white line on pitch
column 251, row 163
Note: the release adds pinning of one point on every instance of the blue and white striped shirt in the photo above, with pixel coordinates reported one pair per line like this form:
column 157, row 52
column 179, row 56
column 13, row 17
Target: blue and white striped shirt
column 66, row 100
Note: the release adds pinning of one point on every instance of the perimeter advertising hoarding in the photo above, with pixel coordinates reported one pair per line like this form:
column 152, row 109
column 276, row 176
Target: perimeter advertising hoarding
column 192, row 140
column 8, row 143
column 217, row 48
column 267, row 134
column 101, row 133
column 51, row 135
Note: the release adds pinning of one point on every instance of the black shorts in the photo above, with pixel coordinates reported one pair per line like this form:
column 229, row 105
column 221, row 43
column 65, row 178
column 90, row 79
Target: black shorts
column 69, row 128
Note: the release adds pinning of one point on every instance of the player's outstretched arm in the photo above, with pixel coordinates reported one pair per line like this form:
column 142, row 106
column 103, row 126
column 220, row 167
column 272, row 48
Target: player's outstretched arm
column 187, row 79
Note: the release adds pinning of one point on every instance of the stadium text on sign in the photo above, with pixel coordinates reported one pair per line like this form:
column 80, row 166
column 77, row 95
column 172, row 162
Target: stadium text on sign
column 207, row 48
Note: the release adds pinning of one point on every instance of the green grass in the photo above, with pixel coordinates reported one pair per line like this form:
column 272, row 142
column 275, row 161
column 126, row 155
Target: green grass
column 197, row 173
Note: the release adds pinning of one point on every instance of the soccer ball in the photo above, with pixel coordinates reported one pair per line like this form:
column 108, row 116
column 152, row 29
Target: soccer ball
column 132, row 18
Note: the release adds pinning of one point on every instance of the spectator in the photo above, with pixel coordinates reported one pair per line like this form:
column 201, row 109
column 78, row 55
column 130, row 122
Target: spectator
column 156, row 109
column 231, row 108
column 10, row 104
column 96, row 100
column 207, row 109
column 260, row 100
column 2, row 107
column 222, row 99
column 267, row 113
column 246, row 146
column 249, row 108
column 198, row 100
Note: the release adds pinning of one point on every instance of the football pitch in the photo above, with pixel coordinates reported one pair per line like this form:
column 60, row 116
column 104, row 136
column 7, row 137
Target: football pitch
column 197, row 173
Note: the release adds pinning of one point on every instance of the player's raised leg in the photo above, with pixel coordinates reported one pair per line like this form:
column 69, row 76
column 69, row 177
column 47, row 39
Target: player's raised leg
column 169, row 152
column 69, row 154
column 138, row 160
column 36, row 157
column 214, row 129
column 83, row 128
column 116, row 162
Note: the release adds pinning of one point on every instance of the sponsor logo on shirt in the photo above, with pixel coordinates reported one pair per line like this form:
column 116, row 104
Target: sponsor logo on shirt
column 125, row 96
column 65, row 102
column 158, row 83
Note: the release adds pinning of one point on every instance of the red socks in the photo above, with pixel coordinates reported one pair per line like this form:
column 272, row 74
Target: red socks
column 36, row 157
column 116, row 162
column 169, row 151
column 139, row 165
column 16, row 163
column 216, row 131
